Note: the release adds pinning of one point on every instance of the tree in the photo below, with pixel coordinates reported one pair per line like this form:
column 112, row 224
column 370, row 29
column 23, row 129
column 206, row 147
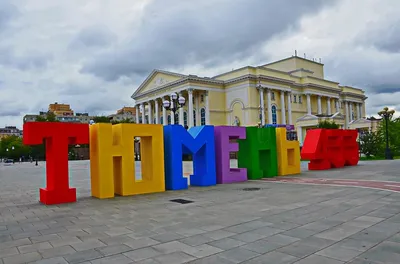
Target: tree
column 101, row 119
column 371, row 144
column 394, row 136
column 41, row 119
column 125, row 120
column 12, row 147
column 51, row 117
column 327, row 124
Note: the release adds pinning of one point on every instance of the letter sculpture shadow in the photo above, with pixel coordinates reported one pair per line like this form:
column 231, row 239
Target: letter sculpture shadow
column 57, row 137
column 198, row 141
column 223, row 147
column 258, row 153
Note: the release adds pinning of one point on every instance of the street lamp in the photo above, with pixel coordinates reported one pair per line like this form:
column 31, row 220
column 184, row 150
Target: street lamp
column 387, row 114
column 174, row 103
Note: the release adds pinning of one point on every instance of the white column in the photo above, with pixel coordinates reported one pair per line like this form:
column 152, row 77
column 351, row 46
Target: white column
column 337, row 105
column 308, row 104
column 262, row 106
column 328, row 102
column 347, row 115
column 283, row 111
column 137, row 114
column 289, row 108
column 143, row 113
column 171, row 113
column 190, row 114
column 207, row 109
column 164, row 113
column 300, row 135
column 197, row 101
column 319, row 105
column 157, row 111
column 150, row 113
column 351, row 111
column 359, row 111
column 269, row 106
column 181, row 114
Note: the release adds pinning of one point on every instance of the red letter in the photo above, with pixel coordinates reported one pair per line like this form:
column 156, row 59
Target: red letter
column 350, row 147
column 314, row 150
column 57, row 138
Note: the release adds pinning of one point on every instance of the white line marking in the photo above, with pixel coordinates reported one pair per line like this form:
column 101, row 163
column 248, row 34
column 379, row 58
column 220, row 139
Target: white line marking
column 388, row 185
column 345, row 182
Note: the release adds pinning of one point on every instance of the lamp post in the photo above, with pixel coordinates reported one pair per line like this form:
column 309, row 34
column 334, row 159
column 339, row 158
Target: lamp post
column 12, row 148
column 387, row 114
column 174, row 103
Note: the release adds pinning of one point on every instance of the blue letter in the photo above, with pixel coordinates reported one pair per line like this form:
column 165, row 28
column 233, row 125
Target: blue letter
column 198, row 141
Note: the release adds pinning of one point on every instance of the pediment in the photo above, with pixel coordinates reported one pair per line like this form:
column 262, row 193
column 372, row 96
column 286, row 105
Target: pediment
column 338, row 115
column 307, row 117
column 361, row 121
column 157, row 78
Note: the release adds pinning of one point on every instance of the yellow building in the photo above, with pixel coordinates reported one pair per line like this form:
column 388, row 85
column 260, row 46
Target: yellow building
column 61, row 109
column 291, row 92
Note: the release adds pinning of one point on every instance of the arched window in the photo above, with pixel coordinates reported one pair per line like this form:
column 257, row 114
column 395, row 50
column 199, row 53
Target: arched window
column 273, row 110
column 194, row 117
column 203, row 117
column 169, row 119
column 176, row 118
column 185, row 121
column 161, row 120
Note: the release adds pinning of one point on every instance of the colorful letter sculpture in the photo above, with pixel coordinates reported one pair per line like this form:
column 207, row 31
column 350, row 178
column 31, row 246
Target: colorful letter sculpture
column 330, row 148
column 223, row 147
column 258, row 153
column 198, row 141
column 112, row 163
column 57, row 137
column 288, row 153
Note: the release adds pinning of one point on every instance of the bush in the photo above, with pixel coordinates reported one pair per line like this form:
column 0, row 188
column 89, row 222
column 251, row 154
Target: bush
column 328, row 124
column 371, row 144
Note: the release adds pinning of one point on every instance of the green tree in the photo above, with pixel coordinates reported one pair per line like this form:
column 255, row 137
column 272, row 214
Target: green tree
column 394, row 136
column 125, row 120
column 41, row 119
column 371, row 144
column 51, row 117
column 12, row 147
column 101, row 119
column 327, row 124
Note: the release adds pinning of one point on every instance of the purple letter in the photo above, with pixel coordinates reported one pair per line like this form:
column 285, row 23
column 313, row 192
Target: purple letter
column 223, row 134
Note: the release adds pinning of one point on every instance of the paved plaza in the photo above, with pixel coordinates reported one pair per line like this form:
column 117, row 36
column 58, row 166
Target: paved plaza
column 261, row 222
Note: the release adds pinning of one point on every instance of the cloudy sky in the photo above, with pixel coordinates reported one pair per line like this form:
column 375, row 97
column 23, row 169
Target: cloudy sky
column 94, row 53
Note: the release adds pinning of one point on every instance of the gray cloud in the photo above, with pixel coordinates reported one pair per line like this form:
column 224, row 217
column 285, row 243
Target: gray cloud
column 94, row 36
column 174, row 33
column 28, row 60
column 7, row 12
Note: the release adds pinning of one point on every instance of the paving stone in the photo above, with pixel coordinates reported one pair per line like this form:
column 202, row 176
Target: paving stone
column 56, row 252
column 57, row 260
column 339, row 232
column 44, row 238
column 238, row 255
column 212, row 260
column 218, row 234
column 174, row 258
column 34, row 247
column 82, row 256
column 86, row 245
column 298, row 250
column 119, row 258
column 22, row 258
column 226, row 243
column 359, row 245
column 282, row 239
column 143, row 253
column 115, row 240
column 316, row 259
column 273, row 258
column 339, row 253
column 172, row 246
column 167, row 237
column 65, row 241
column 196, row 240
column 113, row 249
column 202, row 251
column 15, row 243
column 262, row 246
column 8, row 252
column 141, row 243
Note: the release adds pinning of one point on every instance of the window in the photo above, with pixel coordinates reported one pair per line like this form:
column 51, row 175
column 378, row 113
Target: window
column 203, row 117
column 202, row 98
column 176, row 118
column 194, row 117
column 161, row 120
column 155, row 120
column 140, row 120
column 273, row 96
column 300, row 98
column 169, row 119
column 185, row 121
column 273, row 110
column 147, row 119
column 295, row 98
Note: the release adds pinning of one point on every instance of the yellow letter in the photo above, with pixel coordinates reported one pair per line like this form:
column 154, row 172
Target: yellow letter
column 288, row 154
column 112, row 165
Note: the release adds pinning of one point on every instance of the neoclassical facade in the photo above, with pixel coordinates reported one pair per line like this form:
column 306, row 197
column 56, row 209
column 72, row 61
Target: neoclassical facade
column 291, row 92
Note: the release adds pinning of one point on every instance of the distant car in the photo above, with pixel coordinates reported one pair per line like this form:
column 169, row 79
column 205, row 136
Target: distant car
column 8, row 161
